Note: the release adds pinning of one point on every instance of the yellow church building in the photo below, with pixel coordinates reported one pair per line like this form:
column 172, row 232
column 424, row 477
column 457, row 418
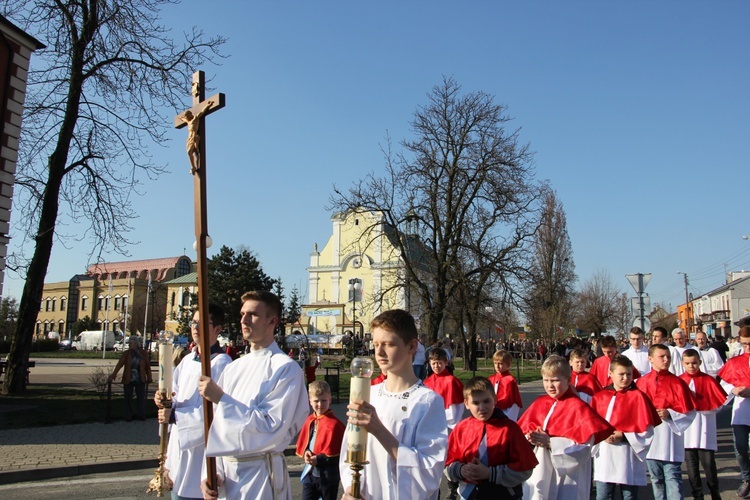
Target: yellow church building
column 358, row 274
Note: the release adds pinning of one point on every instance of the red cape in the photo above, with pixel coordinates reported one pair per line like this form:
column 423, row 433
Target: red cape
column 572, row 419
column 448, row 386
column 600, row 370
column 507, row 390
column 379, row 378
column 667, row 391
column 506, row 444
column 708, row 394
column 329, row 438
column 737, row 371
column 585, row 382
column 632, row 412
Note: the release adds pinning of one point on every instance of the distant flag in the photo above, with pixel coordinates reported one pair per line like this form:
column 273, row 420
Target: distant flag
column 111, row 288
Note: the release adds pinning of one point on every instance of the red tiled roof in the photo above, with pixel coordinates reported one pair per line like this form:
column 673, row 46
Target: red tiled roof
column 125, row 269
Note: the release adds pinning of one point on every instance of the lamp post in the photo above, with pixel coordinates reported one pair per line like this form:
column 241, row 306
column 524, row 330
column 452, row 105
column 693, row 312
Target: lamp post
column 355, row 285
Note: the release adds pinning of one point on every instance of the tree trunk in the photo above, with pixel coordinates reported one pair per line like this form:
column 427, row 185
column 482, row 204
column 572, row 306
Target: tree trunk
column 31, row 299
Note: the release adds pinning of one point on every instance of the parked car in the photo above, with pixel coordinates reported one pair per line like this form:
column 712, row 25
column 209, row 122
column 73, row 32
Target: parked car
column 66, row 345
column 118, row 346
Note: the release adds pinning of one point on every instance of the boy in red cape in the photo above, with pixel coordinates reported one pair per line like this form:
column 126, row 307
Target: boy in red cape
column 487, row 452
column 319, row 444
column 505, row 385
column 600, row 366
column 447, row 386
column 700, row 437
column 621, row 458
column 563, row 429
column 584, row 383
column 674, row 404
column 735, row 379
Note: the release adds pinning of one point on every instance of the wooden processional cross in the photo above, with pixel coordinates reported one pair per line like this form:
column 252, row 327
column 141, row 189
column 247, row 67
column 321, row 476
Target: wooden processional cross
column 194, row 119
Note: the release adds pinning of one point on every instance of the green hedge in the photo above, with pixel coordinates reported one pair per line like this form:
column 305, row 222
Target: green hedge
column 46, row 345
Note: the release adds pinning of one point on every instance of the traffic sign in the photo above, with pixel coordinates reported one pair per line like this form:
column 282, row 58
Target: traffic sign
column 646, row 324
column 638, row 281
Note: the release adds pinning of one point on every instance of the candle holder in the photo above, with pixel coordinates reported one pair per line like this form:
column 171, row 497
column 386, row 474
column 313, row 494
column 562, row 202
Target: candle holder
column 161, row 481
column 356, row 448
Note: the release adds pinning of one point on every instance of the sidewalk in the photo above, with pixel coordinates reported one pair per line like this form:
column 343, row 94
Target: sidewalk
column 69, row 450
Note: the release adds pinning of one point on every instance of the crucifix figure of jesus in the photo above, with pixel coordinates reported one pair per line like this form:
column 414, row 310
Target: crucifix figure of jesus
column 194, row 119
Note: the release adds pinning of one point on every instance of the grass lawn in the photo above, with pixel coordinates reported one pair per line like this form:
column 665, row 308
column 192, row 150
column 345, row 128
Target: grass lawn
column 45, row 405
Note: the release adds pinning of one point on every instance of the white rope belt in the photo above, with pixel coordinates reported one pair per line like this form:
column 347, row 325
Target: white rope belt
column 268, row 458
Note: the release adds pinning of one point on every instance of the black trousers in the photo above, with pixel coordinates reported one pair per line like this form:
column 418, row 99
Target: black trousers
column 694, row 456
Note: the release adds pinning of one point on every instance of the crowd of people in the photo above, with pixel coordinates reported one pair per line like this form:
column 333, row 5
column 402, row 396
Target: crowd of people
column 614, row 420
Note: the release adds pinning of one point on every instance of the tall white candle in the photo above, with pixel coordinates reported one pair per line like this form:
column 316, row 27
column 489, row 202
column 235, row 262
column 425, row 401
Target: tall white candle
column 165, row 368
column 359, row 389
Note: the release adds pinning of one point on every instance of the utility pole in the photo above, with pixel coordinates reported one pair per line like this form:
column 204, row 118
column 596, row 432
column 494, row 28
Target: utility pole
column 688, row 306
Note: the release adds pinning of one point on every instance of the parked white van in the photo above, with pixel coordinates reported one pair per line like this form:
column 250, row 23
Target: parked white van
column 92, row 340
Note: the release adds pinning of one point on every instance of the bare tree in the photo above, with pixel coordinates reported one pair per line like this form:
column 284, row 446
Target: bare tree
column 464, row 185
column 623, row 320
column 552, row 276
column 597, row 303
column 110, row 78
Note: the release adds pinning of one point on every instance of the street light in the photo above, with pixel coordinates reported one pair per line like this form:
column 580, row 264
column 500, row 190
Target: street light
column 355, row 285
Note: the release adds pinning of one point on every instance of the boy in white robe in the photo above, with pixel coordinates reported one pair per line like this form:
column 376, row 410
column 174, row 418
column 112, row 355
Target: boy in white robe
column 261, row 404
column 562, row 429
column 674, row 403
column 186, row 439
column 620, row 460
column 408, row 432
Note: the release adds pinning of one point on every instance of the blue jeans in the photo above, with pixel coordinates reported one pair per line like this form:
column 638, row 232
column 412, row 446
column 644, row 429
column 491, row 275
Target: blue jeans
column 419, row 371
column 742, row 449
column 666, row 479
column 606, row 491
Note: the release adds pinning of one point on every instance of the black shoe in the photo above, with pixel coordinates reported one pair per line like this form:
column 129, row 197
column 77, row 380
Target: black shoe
column 744, row 489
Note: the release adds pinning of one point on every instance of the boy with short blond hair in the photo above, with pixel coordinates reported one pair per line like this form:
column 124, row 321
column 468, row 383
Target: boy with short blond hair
column 447, row 386
column 620, row 460
column 488, row 455
column 563, row 429
column 585, row 384
column 319, row 444
column 700, row 438
column 505, row 385
column 673, row 401
column 405, row 420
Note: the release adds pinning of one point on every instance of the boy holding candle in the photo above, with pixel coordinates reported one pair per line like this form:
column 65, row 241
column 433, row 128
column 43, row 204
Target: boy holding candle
column 186, row 440
column 487, row 453
column 505, row 385
column 319, row 444
column 405, row 420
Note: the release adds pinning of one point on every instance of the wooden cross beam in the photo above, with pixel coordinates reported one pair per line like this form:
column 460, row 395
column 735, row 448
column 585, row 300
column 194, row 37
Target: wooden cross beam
column 195, row 120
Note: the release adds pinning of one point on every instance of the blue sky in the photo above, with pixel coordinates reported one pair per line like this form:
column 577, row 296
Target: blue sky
column 638, row 113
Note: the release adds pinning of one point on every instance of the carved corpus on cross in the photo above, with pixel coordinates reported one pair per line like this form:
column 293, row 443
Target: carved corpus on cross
column 195, row 120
